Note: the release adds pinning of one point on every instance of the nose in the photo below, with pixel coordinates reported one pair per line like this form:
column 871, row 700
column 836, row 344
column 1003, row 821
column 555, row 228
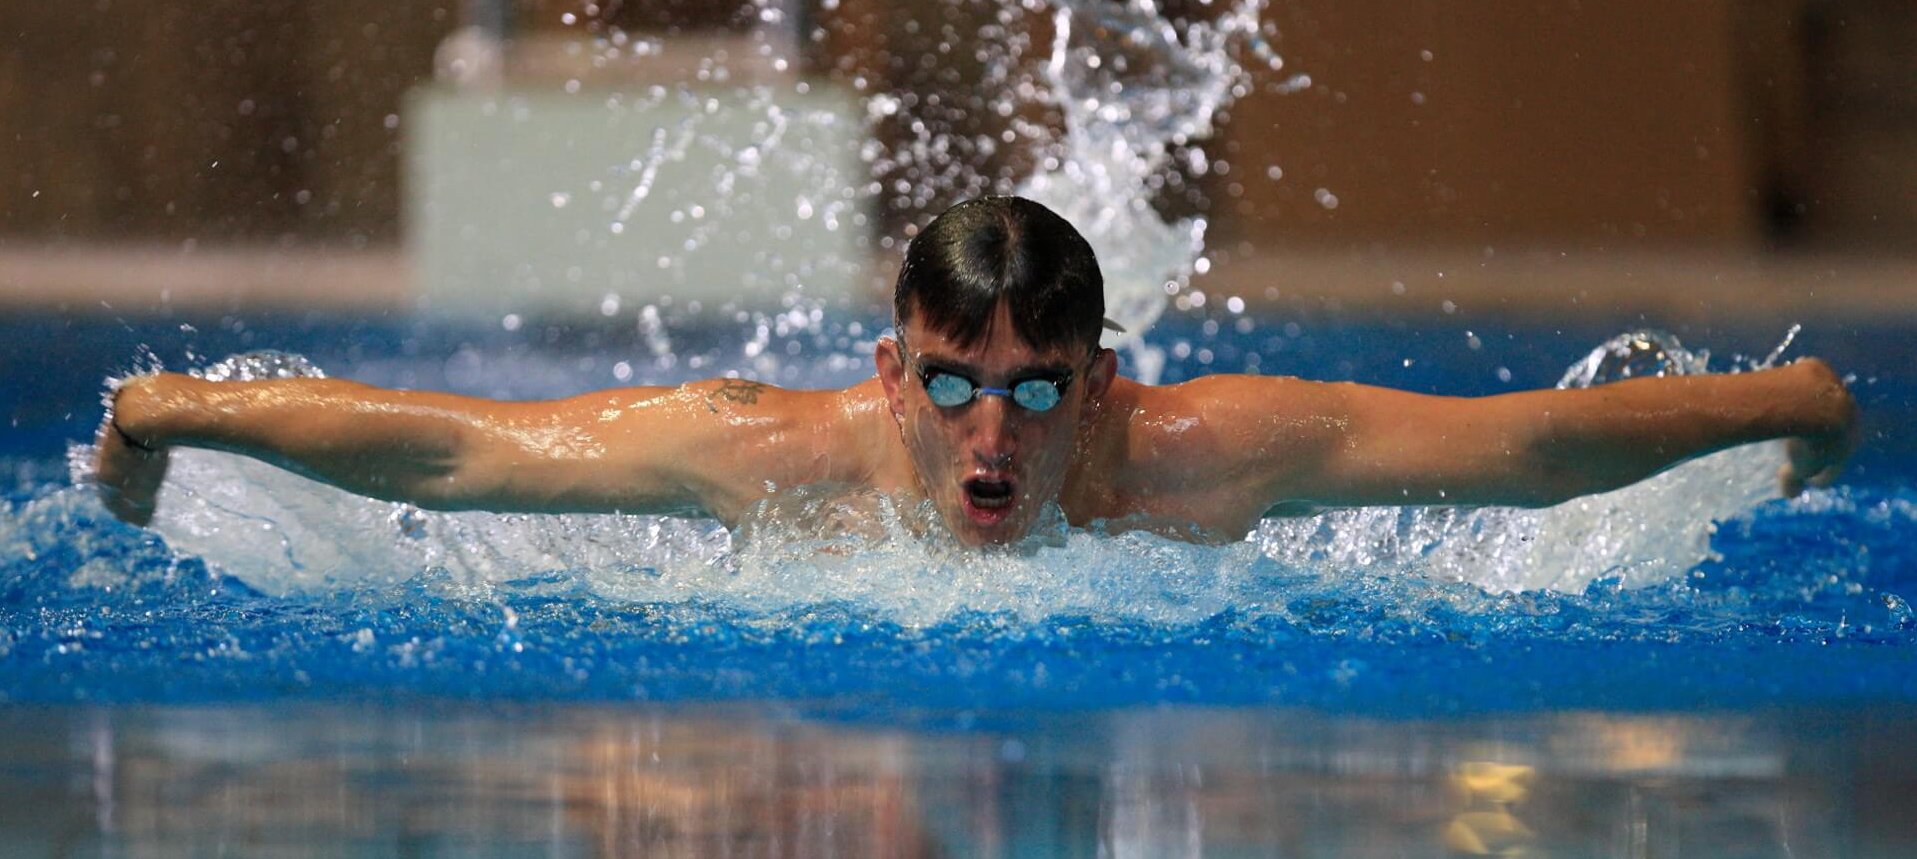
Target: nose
column 993, row 440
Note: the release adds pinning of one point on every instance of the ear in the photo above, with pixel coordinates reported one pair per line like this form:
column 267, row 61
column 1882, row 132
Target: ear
column 1099, row 378
column 891, row 366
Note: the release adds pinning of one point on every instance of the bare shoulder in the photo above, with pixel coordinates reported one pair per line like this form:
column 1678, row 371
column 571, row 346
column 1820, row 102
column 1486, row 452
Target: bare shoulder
column 740, row 411
column 733, row 441
column 1210, row 454
column 1220, row 420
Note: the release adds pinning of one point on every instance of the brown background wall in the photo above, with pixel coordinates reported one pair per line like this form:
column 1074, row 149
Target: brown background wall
column 1537, row 122
column 1588, row 124
column 1501, row 121
column 212, row 120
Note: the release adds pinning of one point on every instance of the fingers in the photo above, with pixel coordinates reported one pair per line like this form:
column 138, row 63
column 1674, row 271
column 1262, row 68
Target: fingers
column 128, row 478
column 1792, row 483
column 1788, row 482
column 129, row 510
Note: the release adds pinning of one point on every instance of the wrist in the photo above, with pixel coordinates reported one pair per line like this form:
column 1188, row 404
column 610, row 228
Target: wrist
column 140, row 409
column 128, row 438
column 1828, row 408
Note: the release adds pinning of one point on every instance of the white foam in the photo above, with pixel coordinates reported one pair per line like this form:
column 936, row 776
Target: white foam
column 1642, row 534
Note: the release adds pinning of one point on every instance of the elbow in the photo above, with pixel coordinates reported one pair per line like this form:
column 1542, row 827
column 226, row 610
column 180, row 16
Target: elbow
column 443, row 475
column 456, row 483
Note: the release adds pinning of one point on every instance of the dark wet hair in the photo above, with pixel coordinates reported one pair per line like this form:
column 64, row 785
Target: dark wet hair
column 1002, row 249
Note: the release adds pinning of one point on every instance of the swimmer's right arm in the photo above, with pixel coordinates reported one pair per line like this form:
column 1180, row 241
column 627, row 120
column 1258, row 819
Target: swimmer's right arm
column 703, row 447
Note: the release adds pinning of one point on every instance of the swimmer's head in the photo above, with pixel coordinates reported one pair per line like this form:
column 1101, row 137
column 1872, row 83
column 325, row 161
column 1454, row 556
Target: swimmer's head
column 1002, row 250
column 996, row 367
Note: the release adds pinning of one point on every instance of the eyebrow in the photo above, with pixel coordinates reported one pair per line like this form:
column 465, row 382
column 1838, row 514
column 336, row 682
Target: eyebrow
column 1024, row 371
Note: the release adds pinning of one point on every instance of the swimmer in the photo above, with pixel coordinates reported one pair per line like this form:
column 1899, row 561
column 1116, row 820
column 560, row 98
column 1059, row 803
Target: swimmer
column 994, row 402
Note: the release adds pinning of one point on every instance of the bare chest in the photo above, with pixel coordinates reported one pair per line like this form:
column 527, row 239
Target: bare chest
column 1130, row 495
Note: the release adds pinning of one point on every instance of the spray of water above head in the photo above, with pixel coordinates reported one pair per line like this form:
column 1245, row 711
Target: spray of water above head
column 1132, row 85
column 759, row 195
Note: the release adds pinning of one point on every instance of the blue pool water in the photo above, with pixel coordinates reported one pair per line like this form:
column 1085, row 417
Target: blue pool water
column 1785, row 603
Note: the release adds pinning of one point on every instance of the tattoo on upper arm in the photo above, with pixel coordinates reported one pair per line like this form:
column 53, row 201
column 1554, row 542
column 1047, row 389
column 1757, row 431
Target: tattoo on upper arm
column 743, row 391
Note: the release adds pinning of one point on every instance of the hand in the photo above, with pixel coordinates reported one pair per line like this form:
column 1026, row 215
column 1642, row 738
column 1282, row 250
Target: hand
column 1815, row 459
column 127, row 471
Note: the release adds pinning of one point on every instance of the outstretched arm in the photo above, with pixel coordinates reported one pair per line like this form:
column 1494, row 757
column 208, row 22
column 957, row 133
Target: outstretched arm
column 1335, row 445
column 704, row 447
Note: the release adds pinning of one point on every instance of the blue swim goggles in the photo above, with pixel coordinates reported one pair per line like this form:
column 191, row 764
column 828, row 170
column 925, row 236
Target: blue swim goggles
column 950, row 389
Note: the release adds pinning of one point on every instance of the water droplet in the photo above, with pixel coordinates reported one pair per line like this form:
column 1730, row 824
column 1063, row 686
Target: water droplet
column 1900, row 613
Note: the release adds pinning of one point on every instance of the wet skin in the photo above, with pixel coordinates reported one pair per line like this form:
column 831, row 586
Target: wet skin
column 1202, row 460
column 989, row 466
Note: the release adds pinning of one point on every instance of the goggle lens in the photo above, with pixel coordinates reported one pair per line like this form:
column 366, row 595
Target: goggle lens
column 1039, row 395
column 947, row 390
column 951, row 390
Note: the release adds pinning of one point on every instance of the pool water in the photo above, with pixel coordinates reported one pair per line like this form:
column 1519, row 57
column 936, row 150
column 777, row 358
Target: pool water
column 1657, row 667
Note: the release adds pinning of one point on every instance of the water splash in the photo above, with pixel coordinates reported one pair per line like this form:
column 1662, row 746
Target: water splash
column 1090, row 125
column 1636, row 354
column 1132, row 84
column 259, row 365
column 1102, row 122
column 1784, row 345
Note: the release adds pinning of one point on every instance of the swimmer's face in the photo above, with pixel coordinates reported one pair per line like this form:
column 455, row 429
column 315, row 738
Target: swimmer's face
column 990, row 465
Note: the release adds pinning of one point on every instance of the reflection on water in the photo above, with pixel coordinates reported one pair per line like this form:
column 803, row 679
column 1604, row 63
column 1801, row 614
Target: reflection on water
column 1163, row 782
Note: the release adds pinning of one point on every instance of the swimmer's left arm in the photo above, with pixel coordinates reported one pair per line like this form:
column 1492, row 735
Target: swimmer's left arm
column 1355, row 445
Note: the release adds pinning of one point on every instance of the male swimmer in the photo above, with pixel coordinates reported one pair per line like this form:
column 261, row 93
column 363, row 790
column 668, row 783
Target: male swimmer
column 994, row 402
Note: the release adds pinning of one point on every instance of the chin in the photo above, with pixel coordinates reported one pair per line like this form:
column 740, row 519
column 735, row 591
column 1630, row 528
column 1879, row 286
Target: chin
column 1009, row 530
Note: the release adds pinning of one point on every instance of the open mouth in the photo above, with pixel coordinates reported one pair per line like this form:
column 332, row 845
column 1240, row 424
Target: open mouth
column 988, row 500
